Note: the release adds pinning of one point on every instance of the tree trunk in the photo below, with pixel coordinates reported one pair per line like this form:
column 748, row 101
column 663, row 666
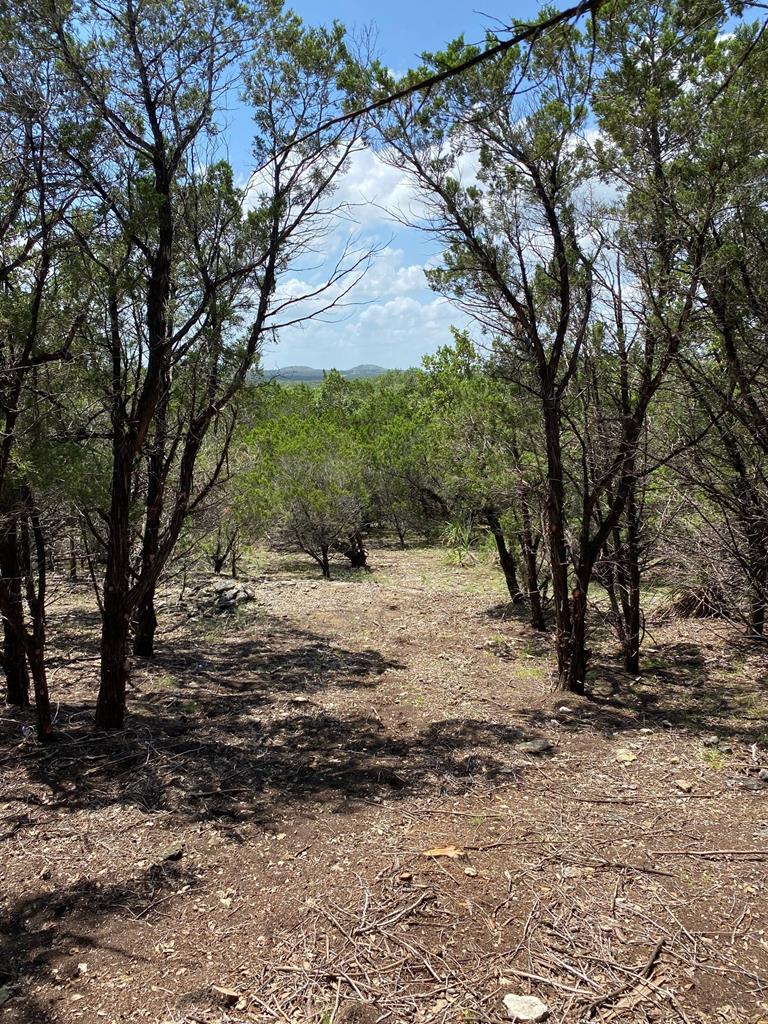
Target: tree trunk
column 145, row 625
column 14, row 657
column 506, row 559
column 558, row 548
column 400, row 531
column 110, row 706
column 15, row 668
column 226, row 547
column 145, row 617
column 325, row 564
column 757, row 612
column 531, row 573
column 129, row 434
column 72, row 558
column 758, row 574
column 355, row 551
column 36, row 585
column 576, row 670
column 633, row 612
column 624, row 593
column 36, row 657
column 219, row 556
column 615, row 585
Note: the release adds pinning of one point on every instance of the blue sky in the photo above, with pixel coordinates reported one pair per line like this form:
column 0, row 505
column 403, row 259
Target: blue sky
column 394, row 318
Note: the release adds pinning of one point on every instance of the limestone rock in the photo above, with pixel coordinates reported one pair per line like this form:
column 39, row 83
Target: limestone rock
column 220, row 598
column 523, row 1008
column 175, row 851
column 535, row 746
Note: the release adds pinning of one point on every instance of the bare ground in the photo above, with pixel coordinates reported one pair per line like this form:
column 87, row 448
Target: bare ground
column 253, row 847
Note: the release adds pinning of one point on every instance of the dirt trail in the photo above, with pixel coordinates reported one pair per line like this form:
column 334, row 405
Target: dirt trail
column 252, row 847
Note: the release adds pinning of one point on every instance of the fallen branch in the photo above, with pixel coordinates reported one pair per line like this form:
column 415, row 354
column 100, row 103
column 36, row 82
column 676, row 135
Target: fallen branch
column 759, row 854
column 646, row 972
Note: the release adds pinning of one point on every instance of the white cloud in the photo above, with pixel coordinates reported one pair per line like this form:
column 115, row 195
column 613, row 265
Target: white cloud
column 390, row 317
column 376, row 191
column 380, row 193
column 398, row 314
column 390, row 275
column 394, row 332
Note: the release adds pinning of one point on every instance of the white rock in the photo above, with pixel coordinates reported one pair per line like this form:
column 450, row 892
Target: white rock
column 535, row 747
column 576, row 871
column 525, row 1007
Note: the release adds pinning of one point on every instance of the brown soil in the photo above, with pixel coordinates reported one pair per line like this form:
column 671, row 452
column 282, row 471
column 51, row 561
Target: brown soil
column 253, row 846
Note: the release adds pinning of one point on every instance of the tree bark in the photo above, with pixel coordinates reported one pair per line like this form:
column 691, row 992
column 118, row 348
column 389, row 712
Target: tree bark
column 355, row 551
column 757, row 610
column 72, row 558
column 129, row 434
column 34, row 642
column 145, row 626
column 226, row 548
column 757, row 543
column 15, row 668
column 145, row 617
column 506, row 558
column 578, row 655
column 14, row 656
column 632, row 613
column 36, row 658
column 531, row 572
column 399, row 530
column 110, row 706
column 558, row 548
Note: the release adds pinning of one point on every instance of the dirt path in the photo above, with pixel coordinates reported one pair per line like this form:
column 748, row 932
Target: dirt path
column 261, row 826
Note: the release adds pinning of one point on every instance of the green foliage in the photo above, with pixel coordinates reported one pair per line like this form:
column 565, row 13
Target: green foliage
column 456, row 536
column 600, row 203
column 307, row 481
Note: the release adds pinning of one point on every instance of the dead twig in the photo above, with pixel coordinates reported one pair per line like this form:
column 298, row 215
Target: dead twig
column 646, row 972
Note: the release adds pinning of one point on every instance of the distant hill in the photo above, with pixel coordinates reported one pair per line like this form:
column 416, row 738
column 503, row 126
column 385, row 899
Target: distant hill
column 310, row 375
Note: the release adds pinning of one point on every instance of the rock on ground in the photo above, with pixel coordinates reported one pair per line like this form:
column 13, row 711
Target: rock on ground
column 525, row 1007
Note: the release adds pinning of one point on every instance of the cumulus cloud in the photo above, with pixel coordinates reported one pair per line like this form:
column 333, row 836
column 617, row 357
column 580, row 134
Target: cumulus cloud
column 391, row 274
column 377, row 192
column 390, row 317
column 393, row 333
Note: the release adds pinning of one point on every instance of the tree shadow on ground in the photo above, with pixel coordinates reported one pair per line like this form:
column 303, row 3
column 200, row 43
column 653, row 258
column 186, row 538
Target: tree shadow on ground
column 230, row 728
column 232, row 767
column 38, row 934
column 249, row 652
column 73, row 636
column 309, row 665
column 508, row 611
column 307, row 570
column 227, row 729
column 229, row 770
column 675, row 690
